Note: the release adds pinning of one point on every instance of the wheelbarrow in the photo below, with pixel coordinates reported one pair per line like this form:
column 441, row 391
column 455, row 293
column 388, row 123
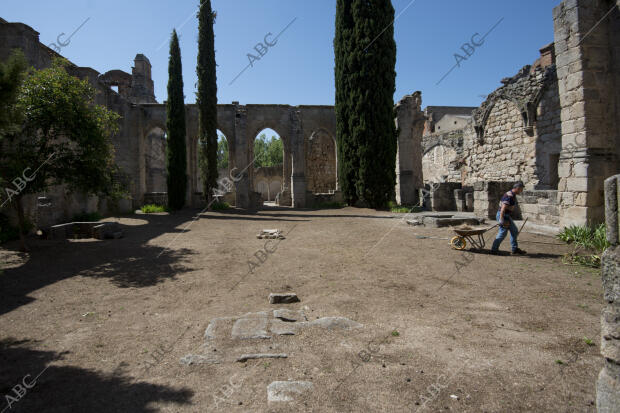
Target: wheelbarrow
column 474, row 236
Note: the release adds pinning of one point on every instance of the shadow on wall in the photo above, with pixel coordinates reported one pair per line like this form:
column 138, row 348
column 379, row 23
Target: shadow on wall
column 74, row 389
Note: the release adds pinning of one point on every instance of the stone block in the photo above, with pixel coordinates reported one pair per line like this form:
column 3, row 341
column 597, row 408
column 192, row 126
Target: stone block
column 288, row 391
column 608, row 390
column 285, row 314
column 610, row 332
column 250, row 328
column 577, row 184
column 283, row 298
column 610, row 272
column 612, row 209
column 574, row 216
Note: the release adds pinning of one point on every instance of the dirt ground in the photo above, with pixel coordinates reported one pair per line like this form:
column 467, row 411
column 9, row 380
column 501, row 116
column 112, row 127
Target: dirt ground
column 105, row 323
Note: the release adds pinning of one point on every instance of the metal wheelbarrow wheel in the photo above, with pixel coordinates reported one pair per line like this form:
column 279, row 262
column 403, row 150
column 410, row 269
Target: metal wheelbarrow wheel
column 458, row 243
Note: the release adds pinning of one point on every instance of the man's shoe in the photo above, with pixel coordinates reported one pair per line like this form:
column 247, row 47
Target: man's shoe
column 519, row 251
column 494, row 252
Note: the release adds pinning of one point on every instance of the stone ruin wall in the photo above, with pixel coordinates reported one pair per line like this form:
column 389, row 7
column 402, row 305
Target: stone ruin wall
column 443, row 154
column 500, row 145
column 321, row 173
column 608, row 384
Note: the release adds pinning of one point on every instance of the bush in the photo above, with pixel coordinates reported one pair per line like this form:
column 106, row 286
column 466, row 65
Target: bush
column 220, row 206
column 402, row 209
column 591, row 239
column 9, row 232
column 88, row 217
column 152, row 209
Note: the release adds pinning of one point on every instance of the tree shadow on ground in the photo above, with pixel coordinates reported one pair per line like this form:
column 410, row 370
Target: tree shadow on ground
column 73, row 389
column 127, row 262
column 536, row 255
column 308, row 214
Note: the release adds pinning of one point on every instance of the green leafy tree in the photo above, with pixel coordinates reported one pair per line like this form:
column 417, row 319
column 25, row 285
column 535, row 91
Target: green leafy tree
column 64, row 139
column 275, row 152
column 176, row 163
column 206, row 98
column 267, row 152
column 222, row 153
column 365, row 84
column 12, row 75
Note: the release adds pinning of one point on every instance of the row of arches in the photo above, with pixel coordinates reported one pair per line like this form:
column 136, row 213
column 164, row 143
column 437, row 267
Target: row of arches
column 270, row 173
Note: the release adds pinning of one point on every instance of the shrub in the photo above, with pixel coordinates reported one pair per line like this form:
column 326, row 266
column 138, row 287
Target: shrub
column 10, row 232
column 7, row 231
column 152, row 208
column 402, row 209
column 591, row 239
column 220, row 206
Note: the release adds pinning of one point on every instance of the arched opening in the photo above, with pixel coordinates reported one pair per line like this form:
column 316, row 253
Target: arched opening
column 155, row 161
column 321, row 163
column 224, row 165
column 268, row 167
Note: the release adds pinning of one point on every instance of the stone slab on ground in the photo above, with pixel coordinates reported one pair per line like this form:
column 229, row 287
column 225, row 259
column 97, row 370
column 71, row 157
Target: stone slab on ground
column 285, row 314
column 283, row 298
column 246, row 357
column 250, row 328
column 215, row 327
column 193, row 359
column 288, row 391
column 283, row 328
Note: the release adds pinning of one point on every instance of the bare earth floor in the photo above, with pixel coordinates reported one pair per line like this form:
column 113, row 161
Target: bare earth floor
column 107, row 322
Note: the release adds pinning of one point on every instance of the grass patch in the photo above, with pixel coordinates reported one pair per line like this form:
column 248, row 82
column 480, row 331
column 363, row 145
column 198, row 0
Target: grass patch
column 588, row 341
column 152, row 209
column 589, row 242
column 403, row 209
column 88, row 217
column 395, row 333
column 220, row 206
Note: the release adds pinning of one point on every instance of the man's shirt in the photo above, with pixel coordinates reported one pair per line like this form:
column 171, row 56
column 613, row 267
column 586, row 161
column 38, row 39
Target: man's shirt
column 510, row 200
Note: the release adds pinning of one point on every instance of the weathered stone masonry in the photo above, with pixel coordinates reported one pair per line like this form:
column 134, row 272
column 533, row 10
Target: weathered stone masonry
column 554, row 125
column 608, row 385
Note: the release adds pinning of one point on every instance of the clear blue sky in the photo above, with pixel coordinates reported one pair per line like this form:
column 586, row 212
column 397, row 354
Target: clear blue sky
column 299, row 68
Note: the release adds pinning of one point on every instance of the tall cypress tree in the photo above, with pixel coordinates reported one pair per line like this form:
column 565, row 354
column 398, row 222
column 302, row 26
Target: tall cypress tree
column 348, row 160
column 176, row 162
column 370, row 59
column 206, row 98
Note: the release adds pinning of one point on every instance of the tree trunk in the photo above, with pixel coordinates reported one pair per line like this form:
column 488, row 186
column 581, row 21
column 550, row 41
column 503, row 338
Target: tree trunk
column 22, row 224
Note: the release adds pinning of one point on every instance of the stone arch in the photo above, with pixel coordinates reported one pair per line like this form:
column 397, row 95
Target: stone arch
column 283, row 172
column 321, row 162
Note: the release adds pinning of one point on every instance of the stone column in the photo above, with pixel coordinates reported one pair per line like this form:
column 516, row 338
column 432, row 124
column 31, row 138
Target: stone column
column 242, row 160
column 608, row 385
column 298, row 177
column 584, row 42
column 410, row 123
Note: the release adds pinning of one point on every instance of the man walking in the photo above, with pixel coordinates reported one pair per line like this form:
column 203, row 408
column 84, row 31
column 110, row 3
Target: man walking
column 506, row 223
